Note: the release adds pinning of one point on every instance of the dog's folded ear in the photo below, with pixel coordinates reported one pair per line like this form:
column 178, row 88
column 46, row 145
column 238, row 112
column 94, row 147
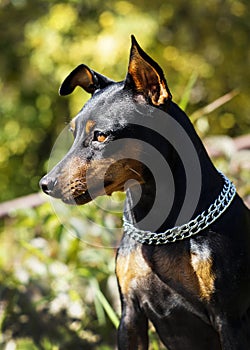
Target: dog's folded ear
column 146, row 77
column 85, row 77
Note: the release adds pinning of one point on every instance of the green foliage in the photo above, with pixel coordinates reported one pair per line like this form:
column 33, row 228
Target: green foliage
column 52, row 285
column 43, row 40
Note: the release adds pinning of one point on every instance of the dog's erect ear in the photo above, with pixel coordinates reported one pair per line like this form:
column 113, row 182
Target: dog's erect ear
column 85, row 77
column 146, row 77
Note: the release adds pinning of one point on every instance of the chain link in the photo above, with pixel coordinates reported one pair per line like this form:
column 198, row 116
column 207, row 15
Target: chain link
column 202, row 221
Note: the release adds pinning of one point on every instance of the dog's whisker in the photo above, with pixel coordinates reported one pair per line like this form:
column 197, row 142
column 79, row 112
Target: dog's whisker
column 134, row 171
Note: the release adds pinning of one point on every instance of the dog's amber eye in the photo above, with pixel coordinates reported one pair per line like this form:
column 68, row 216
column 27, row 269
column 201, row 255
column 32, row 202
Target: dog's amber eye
column 99, row 136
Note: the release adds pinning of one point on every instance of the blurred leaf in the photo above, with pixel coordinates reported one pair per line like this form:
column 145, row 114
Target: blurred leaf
column 187, row 92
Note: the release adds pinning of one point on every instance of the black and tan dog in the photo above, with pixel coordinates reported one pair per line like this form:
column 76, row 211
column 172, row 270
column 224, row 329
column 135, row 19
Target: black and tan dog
column 191, row 281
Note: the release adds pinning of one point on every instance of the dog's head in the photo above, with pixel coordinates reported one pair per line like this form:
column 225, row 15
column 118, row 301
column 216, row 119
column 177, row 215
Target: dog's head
column 103, row 158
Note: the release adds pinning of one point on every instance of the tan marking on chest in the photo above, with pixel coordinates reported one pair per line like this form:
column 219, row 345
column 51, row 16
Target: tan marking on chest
column 174, row 267
column 202, row 264
column 131, row 269
column 89, row 125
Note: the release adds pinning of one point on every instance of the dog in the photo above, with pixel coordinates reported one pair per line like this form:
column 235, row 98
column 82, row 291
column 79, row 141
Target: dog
column 190, row 279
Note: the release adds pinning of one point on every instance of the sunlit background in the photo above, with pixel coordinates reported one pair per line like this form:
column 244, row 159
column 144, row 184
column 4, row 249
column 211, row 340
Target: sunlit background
column 57, row 292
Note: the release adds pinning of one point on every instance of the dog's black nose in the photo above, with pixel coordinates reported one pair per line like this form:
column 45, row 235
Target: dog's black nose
column 47, row 184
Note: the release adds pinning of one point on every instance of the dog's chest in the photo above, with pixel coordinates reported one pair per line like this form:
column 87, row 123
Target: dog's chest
column 132, row 271
column 168, row 272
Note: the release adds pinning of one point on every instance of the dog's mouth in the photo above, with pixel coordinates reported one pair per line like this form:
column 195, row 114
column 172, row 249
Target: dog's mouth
column 89, row 195
column 81, row 199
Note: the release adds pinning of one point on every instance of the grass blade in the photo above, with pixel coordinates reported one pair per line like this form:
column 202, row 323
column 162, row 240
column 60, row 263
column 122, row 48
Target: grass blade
column 186, row 95
column 108, row 308
column 214, row 105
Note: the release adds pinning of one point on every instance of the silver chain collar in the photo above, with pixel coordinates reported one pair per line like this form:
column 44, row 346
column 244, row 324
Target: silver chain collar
column 202, row 221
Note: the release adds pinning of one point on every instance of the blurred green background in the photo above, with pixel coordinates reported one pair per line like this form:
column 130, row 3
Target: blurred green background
column 53, row 284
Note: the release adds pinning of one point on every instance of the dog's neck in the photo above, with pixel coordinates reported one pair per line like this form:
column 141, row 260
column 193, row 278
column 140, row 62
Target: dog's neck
column 143, row 206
